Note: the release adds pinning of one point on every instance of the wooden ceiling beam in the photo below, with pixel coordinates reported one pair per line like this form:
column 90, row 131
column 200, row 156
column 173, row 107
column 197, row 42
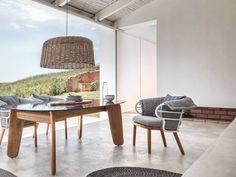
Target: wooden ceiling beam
column 61, row 3
column 113, row 8
column 78, row 12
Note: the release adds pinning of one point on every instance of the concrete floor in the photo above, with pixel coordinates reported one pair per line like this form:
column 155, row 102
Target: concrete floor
column 78, row 158
column 72, row 122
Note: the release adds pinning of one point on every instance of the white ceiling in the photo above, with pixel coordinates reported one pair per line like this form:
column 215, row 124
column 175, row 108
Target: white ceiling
column 106, row 12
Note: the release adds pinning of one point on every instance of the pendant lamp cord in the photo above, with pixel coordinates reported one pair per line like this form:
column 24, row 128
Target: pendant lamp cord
column 66, row 17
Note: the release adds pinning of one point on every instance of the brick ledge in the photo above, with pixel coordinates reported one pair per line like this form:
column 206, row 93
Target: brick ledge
column 211, row 113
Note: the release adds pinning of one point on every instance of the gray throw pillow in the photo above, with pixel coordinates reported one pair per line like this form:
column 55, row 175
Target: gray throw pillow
column 167, row 98
column 182, row 104
column 11, row 100
column 43, row 97
column 2, row 103
column 170, row 98
column 35, row 100
column 28, row 100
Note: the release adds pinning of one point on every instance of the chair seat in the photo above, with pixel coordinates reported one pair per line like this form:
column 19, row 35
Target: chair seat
column 148, row 121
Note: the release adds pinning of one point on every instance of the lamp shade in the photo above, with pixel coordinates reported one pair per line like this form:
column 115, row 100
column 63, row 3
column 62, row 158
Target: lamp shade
column 68, row 52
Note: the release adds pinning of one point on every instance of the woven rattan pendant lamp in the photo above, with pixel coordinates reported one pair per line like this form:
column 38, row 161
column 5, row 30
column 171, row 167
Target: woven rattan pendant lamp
column 67, row 52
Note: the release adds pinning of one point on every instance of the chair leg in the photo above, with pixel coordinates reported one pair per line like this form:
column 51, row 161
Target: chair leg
column 179, row 143
column 163, row 138
column 37, row 128
column 134, row 135
column 2, row 134
column 80, row 126
column 66, row 133
column 47, row 130
column 149, row 137
column 35, row 135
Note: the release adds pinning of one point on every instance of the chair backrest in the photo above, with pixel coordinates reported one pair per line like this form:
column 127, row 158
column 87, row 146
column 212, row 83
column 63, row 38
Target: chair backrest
column 147, row 106
column 138, row 108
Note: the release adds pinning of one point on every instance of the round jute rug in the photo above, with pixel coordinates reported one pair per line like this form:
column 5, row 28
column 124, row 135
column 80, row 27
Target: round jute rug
column 132, row 172
column 4, row 173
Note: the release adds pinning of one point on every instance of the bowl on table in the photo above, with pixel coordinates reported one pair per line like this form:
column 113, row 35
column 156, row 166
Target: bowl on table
column 76, row 98
column 109, row 98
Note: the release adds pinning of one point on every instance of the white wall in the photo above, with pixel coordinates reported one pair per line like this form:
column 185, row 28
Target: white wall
column 128, row 70
column 136, row 70
column 196, row 53
column 148, row 68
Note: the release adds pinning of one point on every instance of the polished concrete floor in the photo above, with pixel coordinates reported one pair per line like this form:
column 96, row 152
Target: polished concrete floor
column 77, row 158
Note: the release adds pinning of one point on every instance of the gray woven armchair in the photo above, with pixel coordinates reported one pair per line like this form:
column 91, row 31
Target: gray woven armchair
column 163, row 114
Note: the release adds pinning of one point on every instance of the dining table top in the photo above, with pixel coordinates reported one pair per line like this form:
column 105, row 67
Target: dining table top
column 49, row 107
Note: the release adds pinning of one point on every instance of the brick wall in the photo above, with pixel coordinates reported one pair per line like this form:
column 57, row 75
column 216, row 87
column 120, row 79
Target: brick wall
column 212, row 113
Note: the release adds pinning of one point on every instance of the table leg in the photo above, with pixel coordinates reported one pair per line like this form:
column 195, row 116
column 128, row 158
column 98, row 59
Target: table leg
column 53, row 144
column 115, row 120
column 14, row 135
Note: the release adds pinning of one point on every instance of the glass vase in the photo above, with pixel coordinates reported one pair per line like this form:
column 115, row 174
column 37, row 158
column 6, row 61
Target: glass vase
column 104, row 90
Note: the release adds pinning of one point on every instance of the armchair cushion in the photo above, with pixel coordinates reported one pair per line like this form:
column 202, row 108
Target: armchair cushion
column 2, row 103
column 155, row 122
column 45, row 98
column 148, row 121
column 10, row 100
column 28, row 101
column 149, row 105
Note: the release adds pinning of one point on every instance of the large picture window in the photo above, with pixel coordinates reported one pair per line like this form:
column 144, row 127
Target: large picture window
column 25, row 26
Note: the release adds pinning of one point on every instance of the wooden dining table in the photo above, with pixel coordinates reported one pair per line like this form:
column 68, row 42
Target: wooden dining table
column 46, row 113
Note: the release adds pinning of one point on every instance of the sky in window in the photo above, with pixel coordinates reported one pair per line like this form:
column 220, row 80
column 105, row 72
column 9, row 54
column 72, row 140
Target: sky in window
column 24, row 26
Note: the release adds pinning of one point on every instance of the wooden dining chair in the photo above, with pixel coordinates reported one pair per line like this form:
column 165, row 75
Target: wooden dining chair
column 79, row 129
column 65, row 129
